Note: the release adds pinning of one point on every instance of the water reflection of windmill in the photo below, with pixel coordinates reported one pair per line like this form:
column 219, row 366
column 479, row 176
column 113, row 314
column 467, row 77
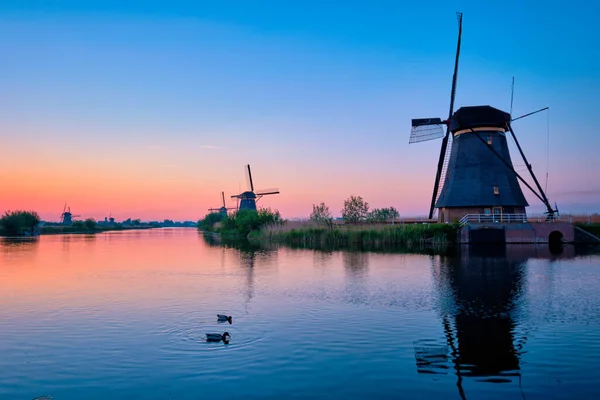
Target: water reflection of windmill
column 66, row 218
column 248, row 199
column 247, row 259
column 223, row 209
column 479, row 293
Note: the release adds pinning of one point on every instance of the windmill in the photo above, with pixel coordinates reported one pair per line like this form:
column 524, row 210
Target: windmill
column 475, row 174
column 224, row 208
column 249, row 197
column 66, row 218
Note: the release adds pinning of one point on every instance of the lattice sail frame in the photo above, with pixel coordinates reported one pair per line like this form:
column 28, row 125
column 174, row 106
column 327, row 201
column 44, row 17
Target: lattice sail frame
column 426, row 129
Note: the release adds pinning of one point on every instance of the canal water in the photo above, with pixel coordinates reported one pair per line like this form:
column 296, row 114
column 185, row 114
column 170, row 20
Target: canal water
column 124, row 315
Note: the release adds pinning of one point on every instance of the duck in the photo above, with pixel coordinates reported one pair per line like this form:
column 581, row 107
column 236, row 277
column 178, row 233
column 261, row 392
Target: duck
column 221, row 317
column 217, row 337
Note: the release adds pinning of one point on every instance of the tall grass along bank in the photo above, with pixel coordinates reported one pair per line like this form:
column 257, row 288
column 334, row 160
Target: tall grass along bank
column 372, row 235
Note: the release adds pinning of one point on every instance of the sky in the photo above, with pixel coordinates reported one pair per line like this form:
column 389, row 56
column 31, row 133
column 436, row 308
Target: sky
column 149, row 109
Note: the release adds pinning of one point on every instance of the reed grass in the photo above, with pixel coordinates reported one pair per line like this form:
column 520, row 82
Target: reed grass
column 365, row 236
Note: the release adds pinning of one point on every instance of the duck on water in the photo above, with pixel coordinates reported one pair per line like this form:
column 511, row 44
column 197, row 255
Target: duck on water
column 223, row 318
column 217, row 337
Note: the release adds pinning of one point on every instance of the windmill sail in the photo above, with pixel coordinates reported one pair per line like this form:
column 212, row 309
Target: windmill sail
column 267, row 191
column 444, row 169
column 249, row 178
column 424, row 129
column 444, row 149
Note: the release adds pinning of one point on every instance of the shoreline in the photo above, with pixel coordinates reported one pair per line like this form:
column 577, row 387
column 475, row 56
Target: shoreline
column 68, row 230
column 360, row 236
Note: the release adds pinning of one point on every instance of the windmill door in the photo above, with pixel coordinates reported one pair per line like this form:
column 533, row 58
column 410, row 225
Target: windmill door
column 497, row 214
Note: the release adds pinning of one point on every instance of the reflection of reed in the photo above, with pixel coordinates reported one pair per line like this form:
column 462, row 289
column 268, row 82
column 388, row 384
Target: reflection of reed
column 23, row 246
column 355, row 262
column 322, row 258
column 89, row 238
column 210, row 239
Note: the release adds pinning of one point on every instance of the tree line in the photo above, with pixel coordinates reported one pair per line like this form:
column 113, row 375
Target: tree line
column 356, row 210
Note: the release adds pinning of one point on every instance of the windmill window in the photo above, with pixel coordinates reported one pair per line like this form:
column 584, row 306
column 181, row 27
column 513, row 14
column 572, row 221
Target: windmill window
column 496, row 190
column 490, row 139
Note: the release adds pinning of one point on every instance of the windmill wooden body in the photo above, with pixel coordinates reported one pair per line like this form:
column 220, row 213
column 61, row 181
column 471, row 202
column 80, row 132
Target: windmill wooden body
column 248, row 199
column 475, row 174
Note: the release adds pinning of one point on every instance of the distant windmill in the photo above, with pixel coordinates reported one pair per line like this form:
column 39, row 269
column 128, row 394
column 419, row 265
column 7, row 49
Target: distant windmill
column 224, row 208
column 249, row 197
column 475, row 174
column 66, row 218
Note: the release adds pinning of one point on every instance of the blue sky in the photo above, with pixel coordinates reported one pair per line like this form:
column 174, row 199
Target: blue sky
column 317, row 96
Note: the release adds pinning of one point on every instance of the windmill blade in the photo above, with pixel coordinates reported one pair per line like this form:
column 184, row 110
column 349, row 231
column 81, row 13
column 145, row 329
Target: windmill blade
column 424, row 129
column 249, row 178
column 223, row 194
column 267, row 191
column 451, row 111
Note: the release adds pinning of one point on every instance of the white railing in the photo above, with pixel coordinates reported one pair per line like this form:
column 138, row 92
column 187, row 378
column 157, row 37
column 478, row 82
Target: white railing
column 493, row 218
column 506, row 219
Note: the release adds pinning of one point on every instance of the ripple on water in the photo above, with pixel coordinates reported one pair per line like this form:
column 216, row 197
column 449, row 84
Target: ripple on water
column 188, row 335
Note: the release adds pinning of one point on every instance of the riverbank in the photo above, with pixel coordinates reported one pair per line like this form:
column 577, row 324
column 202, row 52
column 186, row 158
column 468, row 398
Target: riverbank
column 60, row 230
column 365, row 235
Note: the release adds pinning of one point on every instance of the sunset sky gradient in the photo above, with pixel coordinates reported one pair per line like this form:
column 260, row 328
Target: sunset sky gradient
column 150, row 109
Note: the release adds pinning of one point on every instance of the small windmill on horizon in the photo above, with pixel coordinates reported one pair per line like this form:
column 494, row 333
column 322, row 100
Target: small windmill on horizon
column 248, row 199
column 224, row 208
column 66, row 218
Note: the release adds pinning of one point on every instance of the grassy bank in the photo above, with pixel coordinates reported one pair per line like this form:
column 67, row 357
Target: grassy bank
column 363, row 236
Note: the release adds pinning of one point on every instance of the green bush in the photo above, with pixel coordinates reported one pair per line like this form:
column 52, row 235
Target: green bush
column 244, row 222
column 14, row 222
column 90, row 224
column 207, row 224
